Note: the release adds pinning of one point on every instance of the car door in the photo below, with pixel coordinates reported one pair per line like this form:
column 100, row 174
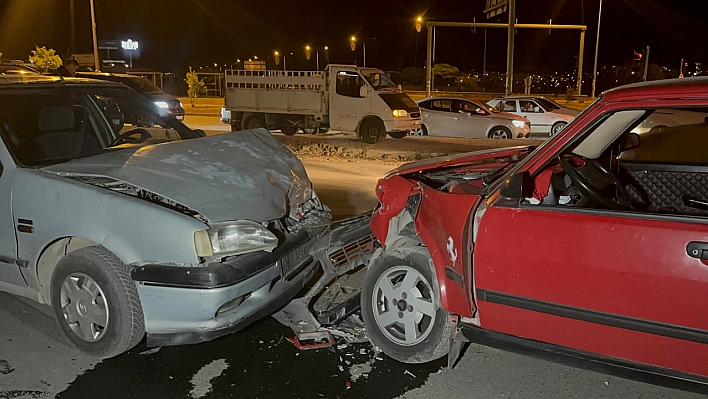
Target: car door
column 347, row 106
column 628, row 285
column 539, row 119
column 471, row 123
column 439, row 118
column 10, row 275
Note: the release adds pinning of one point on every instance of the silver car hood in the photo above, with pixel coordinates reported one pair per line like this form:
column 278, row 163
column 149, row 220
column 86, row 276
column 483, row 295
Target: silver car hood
column 245, row 175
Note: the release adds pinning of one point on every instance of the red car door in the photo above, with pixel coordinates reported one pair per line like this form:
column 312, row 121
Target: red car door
column 626, row 285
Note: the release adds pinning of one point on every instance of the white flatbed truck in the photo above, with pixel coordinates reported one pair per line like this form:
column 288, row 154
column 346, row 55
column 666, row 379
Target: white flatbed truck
column 342, row 97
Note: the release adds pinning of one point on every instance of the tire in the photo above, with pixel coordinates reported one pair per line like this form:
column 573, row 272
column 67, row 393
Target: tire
column 288, row 130
column 372, row 130
column 398, row 135
column 323, row 130
column 310, row 130
column 558, row 127
column 430, row 326
column 500, row 132
column 94, row 279
column 254, row 122
column 421, row 131
column 235, row 126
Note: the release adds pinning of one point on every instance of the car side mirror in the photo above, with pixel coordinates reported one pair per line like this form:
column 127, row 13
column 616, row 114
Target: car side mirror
column 633, row 141
column 518, row 186
column 363, row 91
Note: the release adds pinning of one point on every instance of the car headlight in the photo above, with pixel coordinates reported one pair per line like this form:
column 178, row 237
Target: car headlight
column 518, row 123
column 162, row 104
column 234, row 238
column 400, row 113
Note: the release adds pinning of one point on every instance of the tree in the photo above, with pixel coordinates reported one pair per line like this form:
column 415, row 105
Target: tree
column 195, row 86
column 445, row 73
column 44, row 59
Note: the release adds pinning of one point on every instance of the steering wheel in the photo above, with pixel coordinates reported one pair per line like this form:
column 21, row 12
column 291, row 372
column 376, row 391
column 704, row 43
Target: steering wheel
column 123, row 138
column 592, row 178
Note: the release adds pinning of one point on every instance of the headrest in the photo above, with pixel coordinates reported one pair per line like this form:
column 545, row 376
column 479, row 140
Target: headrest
column 52, row 119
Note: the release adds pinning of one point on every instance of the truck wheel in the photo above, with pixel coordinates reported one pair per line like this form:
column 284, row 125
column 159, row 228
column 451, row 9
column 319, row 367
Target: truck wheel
column 288, row 130
column 398, row 135
column 254, row 122
column 372, row 130
column 323, row 130
column 400, row 308
column 96, row 302
column 235, row 126
column 310, row 130
column 500, row 132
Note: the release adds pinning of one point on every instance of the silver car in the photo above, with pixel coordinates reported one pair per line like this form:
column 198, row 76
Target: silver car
column 128, row 230
column 463, row 117
column 546, row 116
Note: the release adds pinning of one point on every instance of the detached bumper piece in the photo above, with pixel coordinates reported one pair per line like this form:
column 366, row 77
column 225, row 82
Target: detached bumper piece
column 313, row 340
column 349, row 246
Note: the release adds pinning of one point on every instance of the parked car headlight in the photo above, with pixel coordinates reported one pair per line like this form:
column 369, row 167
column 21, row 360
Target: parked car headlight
column 518, row 123
column 162, row 104
column 400, row 113
column 234, row 238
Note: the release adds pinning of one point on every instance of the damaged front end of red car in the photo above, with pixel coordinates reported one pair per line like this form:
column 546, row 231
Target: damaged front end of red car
column 424, row 222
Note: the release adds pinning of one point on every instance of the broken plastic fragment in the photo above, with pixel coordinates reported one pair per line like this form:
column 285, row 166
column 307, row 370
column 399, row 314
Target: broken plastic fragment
column 409, row 373
column 151, row 351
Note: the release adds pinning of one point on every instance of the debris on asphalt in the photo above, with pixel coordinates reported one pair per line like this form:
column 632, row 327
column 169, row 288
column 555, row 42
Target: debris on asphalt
column 409, row 373
column 6, row 367
column 201, row 382
column 313, row 340
column 151, row 351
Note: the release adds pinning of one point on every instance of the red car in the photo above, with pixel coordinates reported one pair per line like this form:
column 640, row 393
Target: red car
column 594, row 244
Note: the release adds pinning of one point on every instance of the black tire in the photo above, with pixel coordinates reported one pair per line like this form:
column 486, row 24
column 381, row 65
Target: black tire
column 254, row 122
column 118, row 294
column 398, row 135
column 235, row 126
column 288, row 130
column 435, row 342
column 372, row 130
column 424, row 129
column 500, row 132
column 323, row 130
column 557, row 128
column 310, row 130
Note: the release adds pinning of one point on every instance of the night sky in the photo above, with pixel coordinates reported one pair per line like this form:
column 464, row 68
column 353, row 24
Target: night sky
column 174, row 34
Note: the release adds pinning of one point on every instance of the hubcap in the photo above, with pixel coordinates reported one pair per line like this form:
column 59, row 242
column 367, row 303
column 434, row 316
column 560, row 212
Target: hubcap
column 84, row 307
column 403, row 305
column 557, row 129
column 499, row 134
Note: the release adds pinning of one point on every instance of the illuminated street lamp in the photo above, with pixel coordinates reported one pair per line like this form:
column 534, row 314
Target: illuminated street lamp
column 352, row 45
column 277, row 55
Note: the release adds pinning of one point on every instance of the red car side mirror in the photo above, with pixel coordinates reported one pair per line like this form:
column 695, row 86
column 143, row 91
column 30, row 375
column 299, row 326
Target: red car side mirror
column 518, row 186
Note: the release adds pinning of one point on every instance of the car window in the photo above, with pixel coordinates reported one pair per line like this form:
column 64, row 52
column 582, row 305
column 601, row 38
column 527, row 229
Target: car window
column 141, row 85
column 548, row 104
column 529, row 107
column 509, row 106
column 426, row 104
column 442, row 105
column 499, row 107
column 348, row 84
column 42, row 126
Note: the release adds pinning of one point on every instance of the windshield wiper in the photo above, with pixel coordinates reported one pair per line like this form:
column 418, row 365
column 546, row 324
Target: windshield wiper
column 496, row 173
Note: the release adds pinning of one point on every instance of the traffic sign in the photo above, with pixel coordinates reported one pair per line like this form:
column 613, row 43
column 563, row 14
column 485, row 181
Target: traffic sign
column 496, row 7
column 108, row 44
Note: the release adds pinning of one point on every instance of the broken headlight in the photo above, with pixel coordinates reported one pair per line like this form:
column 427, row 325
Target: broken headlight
column 234, row 238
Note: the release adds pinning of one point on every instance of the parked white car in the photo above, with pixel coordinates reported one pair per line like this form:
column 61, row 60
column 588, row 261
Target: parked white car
column 462, row 117
column 546, row 116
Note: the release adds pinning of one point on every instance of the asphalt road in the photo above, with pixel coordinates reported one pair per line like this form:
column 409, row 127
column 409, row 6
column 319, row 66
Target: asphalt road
column 36, row 361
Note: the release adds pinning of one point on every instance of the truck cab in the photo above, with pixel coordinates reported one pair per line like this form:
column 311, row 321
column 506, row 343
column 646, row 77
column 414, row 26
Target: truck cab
column 342, row 97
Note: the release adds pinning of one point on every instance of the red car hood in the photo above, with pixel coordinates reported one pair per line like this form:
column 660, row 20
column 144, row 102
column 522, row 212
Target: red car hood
column 457, row 159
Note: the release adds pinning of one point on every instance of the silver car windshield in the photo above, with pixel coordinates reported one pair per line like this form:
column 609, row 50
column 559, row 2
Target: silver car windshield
column 48, row 125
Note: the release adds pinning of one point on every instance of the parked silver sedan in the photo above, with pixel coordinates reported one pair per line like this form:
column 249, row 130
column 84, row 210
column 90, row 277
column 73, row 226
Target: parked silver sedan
column 546, row 116
column 463, row 117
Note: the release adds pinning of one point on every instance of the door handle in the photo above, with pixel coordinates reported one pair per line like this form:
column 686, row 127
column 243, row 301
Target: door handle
column 697, row 249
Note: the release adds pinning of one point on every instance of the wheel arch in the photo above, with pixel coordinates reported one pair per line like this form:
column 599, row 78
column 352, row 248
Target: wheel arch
column 366, row 118
column 50, row 256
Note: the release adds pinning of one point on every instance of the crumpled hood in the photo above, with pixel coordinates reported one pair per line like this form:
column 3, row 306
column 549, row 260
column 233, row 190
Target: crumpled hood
column 245, row 175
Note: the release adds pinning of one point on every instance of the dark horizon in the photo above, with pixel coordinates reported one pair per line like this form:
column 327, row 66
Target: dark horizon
column 176, row 34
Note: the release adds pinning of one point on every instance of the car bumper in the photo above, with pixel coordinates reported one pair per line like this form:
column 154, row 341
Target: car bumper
column 521, row 132
column 400, row 125
column 192, row 305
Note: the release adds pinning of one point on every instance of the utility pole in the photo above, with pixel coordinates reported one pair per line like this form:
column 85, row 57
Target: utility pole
column 73, row 27
column 97, row 67
column 510, row 49
column 597, row 46
column 646, row 64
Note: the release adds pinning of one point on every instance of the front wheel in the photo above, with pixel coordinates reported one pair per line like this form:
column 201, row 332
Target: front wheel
column 288, row 130
column 372, row 130
column 398, row 135
column 254, row 122
column 400, row 307
column 500, row 132
column 96, row 302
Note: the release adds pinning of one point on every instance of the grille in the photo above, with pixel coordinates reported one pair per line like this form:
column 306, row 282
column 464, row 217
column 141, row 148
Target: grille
column 415, row 115
column 352, row 251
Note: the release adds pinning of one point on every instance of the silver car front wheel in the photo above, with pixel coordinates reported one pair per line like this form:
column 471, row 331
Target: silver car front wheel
column 84, row 307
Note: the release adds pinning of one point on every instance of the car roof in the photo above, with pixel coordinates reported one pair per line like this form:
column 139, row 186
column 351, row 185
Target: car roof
column 35, row 80
column 99, row 75
column 660, row 89
column 449, row 98
column 519, row 98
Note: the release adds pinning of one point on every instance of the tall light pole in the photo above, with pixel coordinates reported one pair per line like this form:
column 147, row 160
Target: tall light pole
column 97, row 68
column 510, row 49
column 597, row 46
column 73, row 28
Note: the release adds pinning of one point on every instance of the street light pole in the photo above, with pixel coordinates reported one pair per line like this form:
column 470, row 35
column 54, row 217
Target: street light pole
column 73, row 28
column 364, row 44
column 97, row 68
column 597, row 46
column 510, row 49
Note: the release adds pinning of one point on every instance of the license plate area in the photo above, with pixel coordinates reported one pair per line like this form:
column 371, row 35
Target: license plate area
column 292, row 263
